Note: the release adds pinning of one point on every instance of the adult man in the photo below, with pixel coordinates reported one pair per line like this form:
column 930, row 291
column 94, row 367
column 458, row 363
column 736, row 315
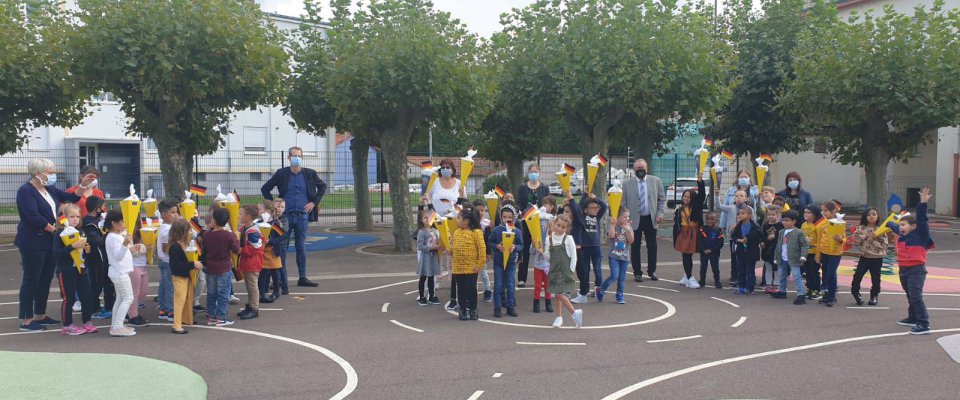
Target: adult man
column 302, row 190
column 643, row 196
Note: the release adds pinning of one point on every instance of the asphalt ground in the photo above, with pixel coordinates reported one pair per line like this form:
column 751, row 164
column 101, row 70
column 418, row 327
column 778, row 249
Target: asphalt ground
column 361, row 335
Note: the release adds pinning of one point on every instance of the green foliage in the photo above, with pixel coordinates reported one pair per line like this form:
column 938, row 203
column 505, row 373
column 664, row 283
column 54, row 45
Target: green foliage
column 306, row 99
column 36, row 88
column 494, row 180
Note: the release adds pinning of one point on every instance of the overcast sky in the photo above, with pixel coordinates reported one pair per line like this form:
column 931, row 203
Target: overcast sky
column 480, row 16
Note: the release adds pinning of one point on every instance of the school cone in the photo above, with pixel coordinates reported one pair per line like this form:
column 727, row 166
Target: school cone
column 564, row 179
column 192, row 256
column 69, row 236
column 433, row 180
column 130, row 207
column 614, row 197
column 704, row 156
column 507, row 241
column 233, row 206
column 451, row 225
column 532, row 218
column 188, row 209
column 442, row 227
column 492, row 202
column 149, row 236
column 466, row 165
column 150, row 207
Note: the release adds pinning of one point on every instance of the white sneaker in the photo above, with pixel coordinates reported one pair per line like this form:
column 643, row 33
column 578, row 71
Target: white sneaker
column 692, row 283
column 76, row 306
column 580, row 299
column 683, row 281
column 558, row 322
column 234, row 300
column 578, row 318
column 122, row 331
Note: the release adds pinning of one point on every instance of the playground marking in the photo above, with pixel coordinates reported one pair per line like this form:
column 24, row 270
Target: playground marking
column 476, row 395
column 675, row 339
column 384, row 308
column 739, row 322
column 726, row 301
column 658, row 288
column 551, row 344
column 397, row 323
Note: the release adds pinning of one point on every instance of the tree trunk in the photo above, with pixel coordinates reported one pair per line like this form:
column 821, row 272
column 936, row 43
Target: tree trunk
column 876, row 160
column 643, row 147
column 176, row 164
column 596, row 139
column 394, row 149
column 515, row 174
column 360, row 149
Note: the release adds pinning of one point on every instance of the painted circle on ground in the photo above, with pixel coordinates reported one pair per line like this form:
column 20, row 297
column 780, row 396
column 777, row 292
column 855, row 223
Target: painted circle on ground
column 939, row 280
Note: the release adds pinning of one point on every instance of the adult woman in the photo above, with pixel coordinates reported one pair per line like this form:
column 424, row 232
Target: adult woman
column 794, row 195
column 37, row 202
column 529, row 194
column 745, row 183
column 446, row 190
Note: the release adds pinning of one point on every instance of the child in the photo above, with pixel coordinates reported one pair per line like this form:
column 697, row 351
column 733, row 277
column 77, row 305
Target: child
column 481, row 208
column 771, row 230
column 686, row 223
column 468, row 253
column 562, row 255
column 621, row 237
column 271, row 255
column 540, row 264
column 118, row 245
column 872, row 251
column 428, row 259
column 73, row 282
column 281, row 206
column 593, row 210
column 168, row 214
column 180, row 267
column 790, row 250
column 912, row 249
column 767, row 195
column 96, row 260
column 811, row 268
column 711, row 241
column 782, row 203
column 830, row 249
column 739, row 202
column 138, row 278
column 201, row 282
column 218, row 247
column 504, row 277
column 250, row 262
column 746, row 237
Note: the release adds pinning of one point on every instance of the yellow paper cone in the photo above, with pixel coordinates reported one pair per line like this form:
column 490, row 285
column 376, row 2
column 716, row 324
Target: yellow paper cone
column 507, row 241
column 131, row 212
column 713, row 178
column 614, row 197
column 442, row 227
column 150, row 207
column 451, row 225
column 492, row 204
column 192, row 256
column 149, row 236
column 433, row 179
column 234, row 208
column 188, row 209
column 265, row 229
column 882, row 228
column 466, row 167
column 761, row 175
column 69, row 236
column 533, row 225
column 564, row 179
column 704, row 156
column 591, row 176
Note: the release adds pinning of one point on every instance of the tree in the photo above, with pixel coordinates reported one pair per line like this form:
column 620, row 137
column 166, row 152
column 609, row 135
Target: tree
column 180, row 69
column 36, row 88
column 400, row 66
column 879, row 86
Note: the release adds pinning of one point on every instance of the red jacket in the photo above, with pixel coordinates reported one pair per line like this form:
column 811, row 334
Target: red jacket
column 251, row 250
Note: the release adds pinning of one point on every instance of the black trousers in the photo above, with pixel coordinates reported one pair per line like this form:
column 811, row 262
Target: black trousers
column 713, row 260
column 72, row 283
column 101, row 283
column 429, row 283
column 687, row 264
column 812, row 271
column 648, row 230
column 524, row 265
column 466, row 290
column 269, row 278
column 863, row 266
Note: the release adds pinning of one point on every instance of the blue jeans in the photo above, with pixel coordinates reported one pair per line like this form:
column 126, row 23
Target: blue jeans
column 912, row 280
column 797, row 278
column 505, row 279
column 829, row 283
column 618, row 272
column 590, row 255
column 218, row 294
column 298, row 228
column 165, row 291
column 38, row 270
column 746, row 274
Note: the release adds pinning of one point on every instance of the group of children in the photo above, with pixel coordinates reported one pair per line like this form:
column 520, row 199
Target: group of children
column 796, row 243
column 190, row 256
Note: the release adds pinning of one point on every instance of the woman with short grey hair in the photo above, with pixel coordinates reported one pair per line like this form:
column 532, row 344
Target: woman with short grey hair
column 37, row 202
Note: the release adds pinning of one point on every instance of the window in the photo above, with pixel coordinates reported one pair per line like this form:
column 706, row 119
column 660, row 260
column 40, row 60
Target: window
column 88, row 155
column 256, row 176
column 151, row 145
column 820, row 146
column 254, row 139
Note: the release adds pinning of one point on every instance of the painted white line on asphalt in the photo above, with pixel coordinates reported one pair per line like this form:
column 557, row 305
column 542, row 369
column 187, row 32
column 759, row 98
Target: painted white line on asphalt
column 658, row 288
column 384, row 308
column 942, row 309
column 397, row 323
column 552, row 344
column 411, row 292
column 652, row 381
column 739, row 322
column 497, row 375
column 867, row 308
column 348, row 389
column 725, row 301
column 675, row 339
column 951, row 344
column 271, row 309
column 357, row 291
column 476, row 395
column 4, row 251
column 9, row 317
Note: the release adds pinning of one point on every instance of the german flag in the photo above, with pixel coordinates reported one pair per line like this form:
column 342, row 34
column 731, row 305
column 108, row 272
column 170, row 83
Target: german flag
column 510, row 226
column 198, row 190
column 708, row 142
column 426, row 164
column 603, row 160
column 820, row 221
column 62, row 220
column 150, row 222
column 529, row 212
column 279, row 229
column 838, row 203
column 727, row 154
column 569, row 168
column 766, row 156
column 499, row 190
column 195, row 224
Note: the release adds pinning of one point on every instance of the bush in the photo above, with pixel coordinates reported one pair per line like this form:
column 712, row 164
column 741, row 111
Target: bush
column 494, row 180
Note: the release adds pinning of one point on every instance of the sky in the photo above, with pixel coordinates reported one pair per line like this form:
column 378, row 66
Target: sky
column 480, row 16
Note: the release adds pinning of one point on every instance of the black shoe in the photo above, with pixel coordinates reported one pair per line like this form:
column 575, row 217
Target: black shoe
column 801, row 299
column 536, row 305
column 249, row 313
column 487, row 296
column 138, row 321
column 653, row 276
column 496, row 312
column 285, row 291
column 473, row 314
column 463, row 314
column 548, row 305
column 47, row 321
column 858, row 299
column 779, row 295
column 717, row 284
column 434, row 300
column 452, row 305
column 245, row 308
column 511, row 311
column 306, row 282
column 638, row 277
column 199, row 308
column 422, row 301
column 266, row 300
column 831, row 302
column 873, row 301
column 180, row 332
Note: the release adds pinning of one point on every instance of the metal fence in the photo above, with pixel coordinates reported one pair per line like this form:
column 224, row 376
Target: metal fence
column 245, row 172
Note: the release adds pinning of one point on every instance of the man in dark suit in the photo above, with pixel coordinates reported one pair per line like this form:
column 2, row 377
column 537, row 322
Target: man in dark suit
column 302, row 190
column 643, row 195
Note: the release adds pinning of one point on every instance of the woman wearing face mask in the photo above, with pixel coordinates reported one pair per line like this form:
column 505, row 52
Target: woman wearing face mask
column 37, row 202
column 446, row 190
column 795, row 196
column 86, row 173
column 530, row 194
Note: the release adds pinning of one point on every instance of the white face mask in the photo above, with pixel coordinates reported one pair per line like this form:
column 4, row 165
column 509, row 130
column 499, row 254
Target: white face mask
column 94, row 183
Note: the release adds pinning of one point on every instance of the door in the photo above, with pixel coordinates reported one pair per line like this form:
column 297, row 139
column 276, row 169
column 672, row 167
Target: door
column 119, row 167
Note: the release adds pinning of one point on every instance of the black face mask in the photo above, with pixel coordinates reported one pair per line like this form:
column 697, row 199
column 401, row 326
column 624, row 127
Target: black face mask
column 641, row 173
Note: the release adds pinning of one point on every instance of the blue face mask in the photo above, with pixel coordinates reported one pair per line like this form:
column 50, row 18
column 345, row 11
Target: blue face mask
column 793, row 184
column 534, row 176
column 51, row 180
column 296, row 161
column 446, row 172
column 743, row 181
